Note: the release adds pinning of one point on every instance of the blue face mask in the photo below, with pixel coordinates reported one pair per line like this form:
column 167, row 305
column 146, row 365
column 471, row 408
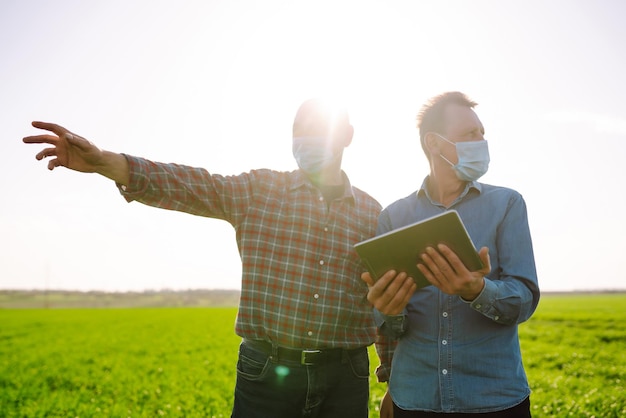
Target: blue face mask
column 313, row 153
column 473, row 159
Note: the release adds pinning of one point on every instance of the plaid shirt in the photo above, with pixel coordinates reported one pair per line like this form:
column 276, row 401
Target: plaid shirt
column 301, row 285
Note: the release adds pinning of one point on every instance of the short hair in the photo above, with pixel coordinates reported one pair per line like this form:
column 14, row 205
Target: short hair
column 431, row 117
column 320, row 117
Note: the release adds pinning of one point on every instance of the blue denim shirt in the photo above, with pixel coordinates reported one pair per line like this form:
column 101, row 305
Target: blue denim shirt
column 459, row 356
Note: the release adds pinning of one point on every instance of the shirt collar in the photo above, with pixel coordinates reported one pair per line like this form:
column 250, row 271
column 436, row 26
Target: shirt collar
column 470, row 185
column 300, row 179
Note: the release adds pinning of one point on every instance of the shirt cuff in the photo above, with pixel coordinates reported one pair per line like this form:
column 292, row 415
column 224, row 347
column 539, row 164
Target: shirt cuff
column 486, row 300
column 139, row 180
column 391, row 325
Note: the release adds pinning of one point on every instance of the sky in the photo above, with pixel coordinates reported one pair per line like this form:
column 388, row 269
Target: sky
column 216, row 84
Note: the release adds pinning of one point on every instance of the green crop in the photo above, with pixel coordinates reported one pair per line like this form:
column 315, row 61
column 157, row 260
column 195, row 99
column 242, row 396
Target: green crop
column 117, row 362
column 180, row 362
column 574, row 350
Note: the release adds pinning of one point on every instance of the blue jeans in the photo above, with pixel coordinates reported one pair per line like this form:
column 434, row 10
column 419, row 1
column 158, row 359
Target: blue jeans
column 283, row 389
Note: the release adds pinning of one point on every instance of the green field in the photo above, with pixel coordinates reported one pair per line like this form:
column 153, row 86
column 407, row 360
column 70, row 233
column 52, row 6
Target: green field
column 181, row 361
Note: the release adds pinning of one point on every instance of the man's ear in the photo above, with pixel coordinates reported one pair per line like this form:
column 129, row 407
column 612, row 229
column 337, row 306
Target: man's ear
column 432, row 143
column 349, row 133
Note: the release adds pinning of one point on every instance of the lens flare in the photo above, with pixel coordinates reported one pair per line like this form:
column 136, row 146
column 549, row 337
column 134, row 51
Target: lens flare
column 281, row 373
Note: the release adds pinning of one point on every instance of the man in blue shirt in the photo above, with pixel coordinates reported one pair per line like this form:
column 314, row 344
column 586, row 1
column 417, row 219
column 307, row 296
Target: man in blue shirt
column 452, row 349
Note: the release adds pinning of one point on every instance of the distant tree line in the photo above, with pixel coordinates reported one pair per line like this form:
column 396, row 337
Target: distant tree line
column 51, row 299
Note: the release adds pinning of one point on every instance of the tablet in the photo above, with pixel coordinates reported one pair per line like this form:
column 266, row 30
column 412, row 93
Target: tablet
column 400, row 249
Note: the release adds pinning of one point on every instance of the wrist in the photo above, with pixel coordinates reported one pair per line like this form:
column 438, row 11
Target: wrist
column 476, row 290
column 115, row 167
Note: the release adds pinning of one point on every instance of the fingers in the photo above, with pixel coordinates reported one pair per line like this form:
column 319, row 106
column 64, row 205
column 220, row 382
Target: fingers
column 386, row 280
column 64, row 139
column 442, row 268
column 445, row 270
column 404, row 296
column 443, row 261
column 434, row 267
column 52, row 127
column 383, row 283
column 368, row 279
column 52, row 164
column 484, row 257
column 447, row 260
column 41, row 139
column 48, row 152
column 60, row 132
column 400, row 297
column 427, row 272
column 391, row 292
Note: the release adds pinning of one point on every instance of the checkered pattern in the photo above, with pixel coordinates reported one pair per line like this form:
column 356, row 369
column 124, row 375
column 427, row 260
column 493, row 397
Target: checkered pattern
column 301, row 283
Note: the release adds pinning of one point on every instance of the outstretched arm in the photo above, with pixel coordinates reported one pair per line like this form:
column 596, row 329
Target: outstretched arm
column 76, row 153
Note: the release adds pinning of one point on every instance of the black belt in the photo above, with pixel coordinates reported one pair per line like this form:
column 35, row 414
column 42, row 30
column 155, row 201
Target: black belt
column 308, row 357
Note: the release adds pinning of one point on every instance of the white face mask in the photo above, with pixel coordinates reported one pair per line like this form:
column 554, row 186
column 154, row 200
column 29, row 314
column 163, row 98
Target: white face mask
column 313, row 154
column 473, row 159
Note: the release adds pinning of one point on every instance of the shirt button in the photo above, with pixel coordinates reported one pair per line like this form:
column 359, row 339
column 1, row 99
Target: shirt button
column 444, row 342
column 445, row 314
column 496, row 317
column 321, row 262
column 444, row 371
column 478, row 306
column 316, row 296
column 321, row 199
column 325, row 229
column 310, row 333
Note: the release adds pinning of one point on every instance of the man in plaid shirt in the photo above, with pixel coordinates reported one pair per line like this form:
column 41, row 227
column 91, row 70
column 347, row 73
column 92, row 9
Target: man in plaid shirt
column 303, row 314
